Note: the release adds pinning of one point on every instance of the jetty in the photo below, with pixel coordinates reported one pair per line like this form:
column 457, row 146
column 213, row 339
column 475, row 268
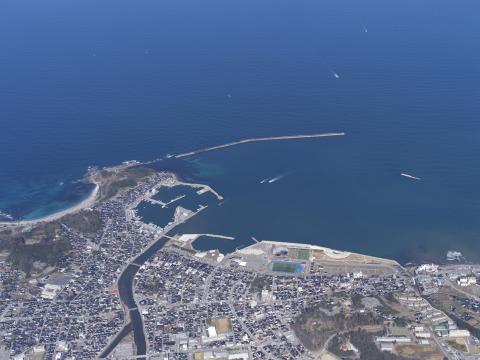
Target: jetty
column 259, row 139
column 192, row 237
column 164, row 204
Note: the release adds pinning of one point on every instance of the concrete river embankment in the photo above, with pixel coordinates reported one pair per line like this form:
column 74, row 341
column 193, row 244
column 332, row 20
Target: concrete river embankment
column 125, row 291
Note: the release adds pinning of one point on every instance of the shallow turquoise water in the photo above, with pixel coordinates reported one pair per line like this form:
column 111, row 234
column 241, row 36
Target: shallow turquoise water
column 94, row 83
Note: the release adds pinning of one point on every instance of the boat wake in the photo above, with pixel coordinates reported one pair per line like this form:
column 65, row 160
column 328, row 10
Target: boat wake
column 272, row 180
column 410, row 176
column 275, row 179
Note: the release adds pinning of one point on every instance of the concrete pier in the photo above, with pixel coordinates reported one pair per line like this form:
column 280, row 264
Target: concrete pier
column 162, row 204
column 202, row 189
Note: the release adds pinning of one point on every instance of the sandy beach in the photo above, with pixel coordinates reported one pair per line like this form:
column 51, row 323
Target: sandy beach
column 86, row 203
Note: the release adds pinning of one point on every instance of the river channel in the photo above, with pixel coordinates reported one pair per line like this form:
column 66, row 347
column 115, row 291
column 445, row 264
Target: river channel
column 125, row 290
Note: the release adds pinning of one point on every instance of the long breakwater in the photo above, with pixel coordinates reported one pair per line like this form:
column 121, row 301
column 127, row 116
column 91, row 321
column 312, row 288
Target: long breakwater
column 259, row 139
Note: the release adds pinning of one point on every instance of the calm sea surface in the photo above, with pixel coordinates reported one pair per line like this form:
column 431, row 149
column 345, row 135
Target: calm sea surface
column 96, row 83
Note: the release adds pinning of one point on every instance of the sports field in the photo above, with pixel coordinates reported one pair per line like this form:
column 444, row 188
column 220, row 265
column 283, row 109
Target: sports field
column 303, row 254
column 286, row 266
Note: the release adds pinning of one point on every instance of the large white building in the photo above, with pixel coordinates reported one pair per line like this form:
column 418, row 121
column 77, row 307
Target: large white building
column 458, row 333
column 50, row 291
column 427, row 269
column 466, row 280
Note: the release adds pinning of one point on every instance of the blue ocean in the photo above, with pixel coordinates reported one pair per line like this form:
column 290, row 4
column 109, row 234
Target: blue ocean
column 97, row 83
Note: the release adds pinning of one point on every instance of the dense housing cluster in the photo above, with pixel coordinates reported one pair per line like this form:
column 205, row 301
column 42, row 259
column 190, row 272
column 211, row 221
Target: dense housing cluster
column 74, row 312
column 269, row 300
column 184, row 295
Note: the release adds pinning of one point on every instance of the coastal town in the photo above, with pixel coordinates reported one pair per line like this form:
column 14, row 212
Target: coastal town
column 123, row 288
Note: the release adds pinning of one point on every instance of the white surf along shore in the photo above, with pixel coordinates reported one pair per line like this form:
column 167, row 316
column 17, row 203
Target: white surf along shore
column 85, row 203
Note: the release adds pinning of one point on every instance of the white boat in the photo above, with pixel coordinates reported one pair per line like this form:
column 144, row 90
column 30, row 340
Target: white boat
column 410, row 176
column 263, row 181
column 336, row 75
